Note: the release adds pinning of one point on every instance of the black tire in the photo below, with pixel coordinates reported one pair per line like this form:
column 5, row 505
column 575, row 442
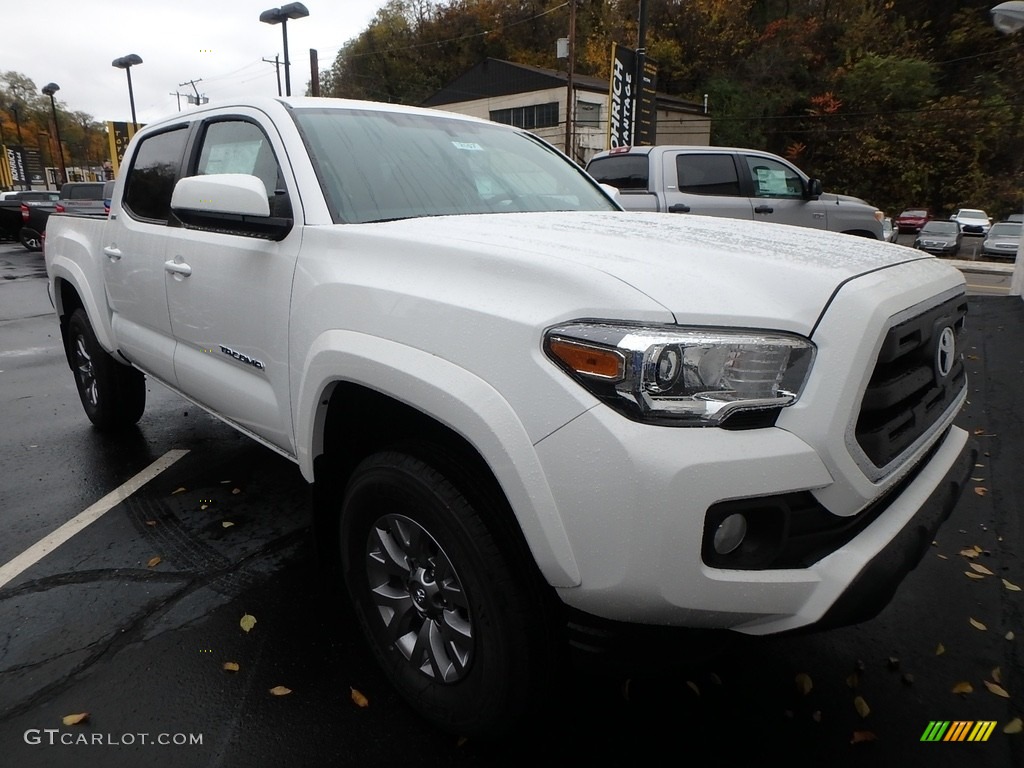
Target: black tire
column 30, row 239
column 113, row 395
column 450, row 615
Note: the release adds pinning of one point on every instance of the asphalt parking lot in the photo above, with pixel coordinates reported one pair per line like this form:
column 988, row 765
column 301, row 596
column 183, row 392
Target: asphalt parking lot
column 132, row 620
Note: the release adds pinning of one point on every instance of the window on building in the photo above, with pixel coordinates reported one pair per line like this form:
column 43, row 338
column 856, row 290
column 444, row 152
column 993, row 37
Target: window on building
column 529, row 117
column 588, row 113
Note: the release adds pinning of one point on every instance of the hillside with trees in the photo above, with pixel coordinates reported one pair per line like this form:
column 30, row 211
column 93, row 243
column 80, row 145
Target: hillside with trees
column 902, row 102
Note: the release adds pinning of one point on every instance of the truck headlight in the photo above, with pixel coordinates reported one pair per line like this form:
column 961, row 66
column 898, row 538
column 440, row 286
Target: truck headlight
column 683, row 376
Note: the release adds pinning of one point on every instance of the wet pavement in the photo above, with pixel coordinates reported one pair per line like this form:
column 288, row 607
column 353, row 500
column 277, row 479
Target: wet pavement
column 133, row 619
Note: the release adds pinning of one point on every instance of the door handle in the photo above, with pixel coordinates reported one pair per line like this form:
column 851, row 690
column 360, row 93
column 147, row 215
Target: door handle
column 679, row 208
column 178, row 268
column 112, row 252
column 764, row 209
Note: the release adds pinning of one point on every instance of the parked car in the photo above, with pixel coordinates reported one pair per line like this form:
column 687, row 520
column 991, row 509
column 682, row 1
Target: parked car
column 732, row 183
column 1015, row 217
column 939, row 237
column 12, row 216
column 889, row 230
column 1003, row 240
column 912, row 219
column 972, row 221
column 81, row 197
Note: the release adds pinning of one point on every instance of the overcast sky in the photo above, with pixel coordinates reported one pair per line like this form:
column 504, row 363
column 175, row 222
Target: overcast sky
column 220, row 42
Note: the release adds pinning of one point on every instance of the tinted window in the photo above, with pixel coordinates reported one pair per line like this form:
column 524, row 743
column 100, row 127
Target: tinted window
column 237, row 146
column 153, row 174
column 1006, row 230
column 707, row 175
column 622, row 171
column 774, row 179
column 940, row 228
column 83, row 191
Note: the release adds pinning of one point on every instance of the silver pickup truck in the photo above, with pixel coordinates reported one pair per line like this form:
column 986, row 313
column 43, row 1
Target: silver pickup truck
column 730, row 182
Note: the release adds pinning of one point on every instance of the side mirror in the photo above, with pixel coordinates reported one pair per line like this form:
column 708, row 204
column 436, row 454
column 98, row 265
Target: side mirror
column 814, row 190
column 230, row 203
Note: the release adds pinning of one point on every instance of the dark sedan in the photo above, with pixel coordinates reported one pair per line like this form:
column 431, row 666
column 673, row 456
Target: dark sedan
column 939, row 237
column 912, row 219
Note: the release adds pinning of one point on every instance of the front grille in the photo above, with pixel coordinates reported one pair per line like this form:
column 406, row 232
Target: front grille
column 907, row 392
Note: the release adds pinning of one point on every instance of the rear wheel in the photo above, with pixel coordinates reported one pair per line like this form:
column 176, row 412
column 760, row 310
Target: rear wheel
column 451, row 616
column 30, row 239
column 113, row 395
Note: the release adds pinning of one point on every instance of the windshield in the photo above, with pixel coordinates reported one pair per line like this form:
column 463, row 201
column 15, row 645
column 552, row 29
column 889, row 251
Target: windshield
column 1005, row 230
column 939, row 228
column 380, row 166
column 970, row 214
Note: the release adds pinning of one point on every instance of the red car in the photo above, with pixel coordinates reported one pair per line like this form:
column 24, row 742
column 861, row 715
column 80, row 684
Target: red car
column 912, row 219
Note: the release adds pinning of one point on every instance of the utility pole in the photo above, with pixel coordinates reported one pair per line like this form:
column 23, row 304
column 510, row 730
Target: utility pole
column 198, row 99
column 314, row 73
column 277, row 63
column 570, row 150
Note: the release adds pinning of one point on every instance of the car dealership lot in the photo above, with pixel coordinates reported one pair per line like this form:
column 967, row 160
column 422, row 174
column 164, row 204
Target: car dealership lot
column 132, row 619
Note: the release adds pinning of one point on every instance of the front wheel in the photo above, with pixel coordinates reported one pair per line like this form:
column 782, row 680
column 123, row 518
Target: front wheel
column 113, row 395
column 450, row 615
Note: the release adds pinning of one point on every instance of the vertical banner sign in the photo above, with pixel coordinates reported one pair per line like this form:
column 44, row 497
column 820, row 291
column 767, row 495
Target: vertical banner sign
column 118, row 136
column 6, row 181
column 621, row 97
column 16, row 164
column 34, row 166
column 646, row 110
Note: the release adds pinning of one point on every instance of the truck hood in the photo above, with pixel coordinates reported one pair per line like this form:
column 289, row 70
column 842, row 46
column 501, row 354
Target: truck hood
column 703, row 270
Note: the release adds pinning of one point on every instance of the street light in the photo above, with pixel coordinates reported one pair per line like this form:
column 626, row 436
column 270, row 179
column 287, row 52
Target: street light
column 126, row 63
column 49, row 89
column 281, row 16
column 1008, row 17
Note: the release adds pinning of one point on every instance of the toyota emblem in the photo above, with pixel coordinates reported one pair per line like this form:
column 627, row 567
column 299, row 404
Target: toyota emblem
column 945, row 353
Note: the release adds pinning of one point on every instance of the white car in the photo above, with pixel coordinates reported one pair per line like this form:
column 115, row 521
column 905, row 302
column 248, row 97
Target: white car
column 972, row 221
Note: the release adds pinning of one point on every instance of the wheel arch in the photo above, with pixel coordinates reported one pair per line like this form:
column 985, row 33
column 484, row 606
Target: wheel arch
column 393, row 394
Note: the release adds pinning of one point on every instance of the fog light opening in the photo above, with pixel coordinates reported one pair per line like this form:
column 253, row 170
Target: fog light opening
column 730, row 534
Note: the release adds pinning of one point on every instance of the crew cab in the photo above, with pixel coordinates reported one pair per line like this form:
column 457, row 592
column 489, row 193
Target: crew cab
column 524, row 411
column 731, row 182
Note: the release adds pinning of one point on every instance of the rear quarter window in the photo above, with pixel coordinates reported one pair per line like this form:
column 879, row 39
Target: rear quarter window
column 622, row 171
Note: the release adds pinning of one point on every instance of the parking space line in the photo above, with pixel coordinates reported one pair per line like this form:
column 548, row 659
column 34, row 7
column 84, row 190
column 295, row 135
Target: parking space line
column 12, row 569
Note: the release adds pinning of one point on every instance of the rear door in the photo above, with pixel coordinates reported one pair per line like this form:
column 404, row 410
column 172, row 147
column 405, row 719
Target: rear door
column 133, row 253
column 229, row 294
column 704, row 184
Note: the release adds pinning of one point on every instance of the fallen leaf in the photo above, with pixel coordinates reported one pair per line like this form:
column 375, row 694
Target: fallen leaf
column 981, row 569
column 359, row 699
column 861, row 706
column 1011, row 586
column 894, row 663
column 154, row 561
column 625, row 688
column 81, row 717
column 1014, row 726
column 963, row 687
column 151, row 523
column 998, row 690
column 862, row 736
column 981, row 490
column 693, row 687
column 203, row 506
column 247, row 622
column 908, row 679
column 978, row 479
column 978, row 625
column 716, row 679
column 979, row 431
column 462, row 740
column 853, row 680
column 226, row 524
column 940, row 649
column 816, row 716
column 178, row 490
column 236, row 490
column 997, row 675
column 1010, row 635
column 803, row 683
column 943, row 557
column 231, row 666
column 280, row 690
column 970, row 575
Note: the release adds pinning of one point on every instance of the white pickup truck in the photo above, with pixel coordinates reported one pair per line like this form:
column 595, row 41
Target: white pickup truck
column 532, row 420
column 731, row 182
